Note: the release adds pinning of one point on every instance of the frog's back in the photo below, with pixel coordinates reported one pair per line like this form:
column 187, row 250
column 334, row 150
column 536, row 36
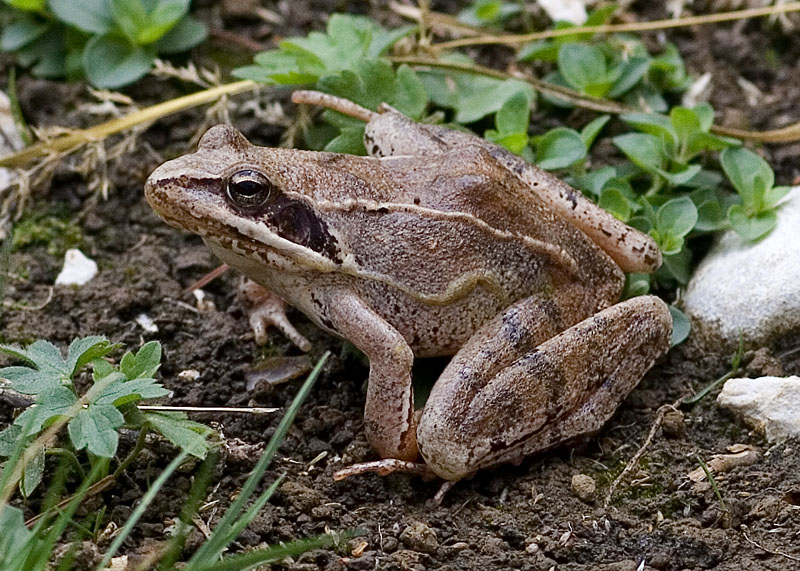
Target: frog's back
column 458, row 220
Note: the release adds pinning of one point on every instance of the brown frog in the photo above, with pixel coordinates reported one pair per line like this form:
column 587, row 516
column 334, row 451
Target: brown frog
column 438, row 244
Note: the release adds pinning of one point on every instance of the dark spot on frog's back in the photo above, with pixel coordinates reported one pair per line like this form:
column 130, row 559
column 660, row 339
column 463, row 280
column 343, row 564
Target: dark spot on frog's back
column 297, row 222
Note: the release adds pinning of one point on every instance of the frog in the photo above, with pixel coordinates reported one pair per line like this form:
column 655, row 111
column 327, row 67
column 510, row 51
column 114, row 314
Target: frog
column 436, row 243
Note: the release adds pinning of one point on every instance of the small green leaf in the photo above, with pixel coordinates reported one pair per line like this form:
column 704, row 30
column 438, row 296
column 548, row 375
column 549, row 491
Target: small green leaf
column 47, row 356
column 95, row 428
column 9, row 438
column 15, row 537
column 685, row 122
column 681, row 326
column 636, row 285
column 676, row 266
column 91, row 16
column 615, row 202
column 50, row 404
column 132, row 18
column 187, row 435
column 705, row 114
column 514, row 115
column 645, row 151
column 584, row 68
column 186, row 34
column 652, row 124
column 111, row 62
column 487, row 12
column 542, row 50
column 773, row 195
column 409, row 93
column 680, row 175
column 631, row 73
column 710, row 215
column 743, row 167
column 30, row 381
column 751, row 227
column 84, row 350
column 472, row 97
column 592, row 183
column 592, row 129
column 350, row 140
column 144, row 363
column 677, row 216
column 28, row 5
column 122, row 392
column 559, row 148
column 20, row 33
column 33, row 472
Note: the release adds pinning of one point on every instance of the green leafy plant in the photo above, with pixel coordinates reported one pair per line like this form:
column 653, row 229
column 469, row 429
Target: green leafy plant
column 754, row 180
column 34, row 549
column 488, row 12
column 616, row 66
column 563, row 147
column 346, row 42
column 666, row 145
column 110, row 42
column 93, row 419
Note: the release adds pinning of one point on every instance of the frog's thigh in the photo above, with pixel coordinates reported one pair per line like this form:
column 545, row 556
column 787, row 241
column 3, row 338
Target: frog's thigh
column 567, row 386
column 389, row 409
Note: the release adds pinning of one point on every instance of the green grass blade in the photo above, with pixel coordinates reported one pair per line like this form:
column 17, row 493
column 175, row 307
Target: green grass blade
column 140, row 509
column 202, row 481
column 251, row 559
column 212, row 549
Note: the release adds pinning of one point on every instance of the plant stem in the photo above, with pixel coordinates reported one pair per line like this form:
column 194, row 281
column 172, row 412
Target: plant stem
column 133, row 453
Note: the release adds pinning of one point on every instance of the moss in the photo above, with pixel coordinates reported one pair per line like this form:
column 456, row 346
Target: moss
column 52, row 226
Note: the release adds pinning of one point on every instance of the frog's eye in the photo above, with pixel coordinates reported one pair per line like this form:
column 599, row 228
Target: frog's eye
column 249, row 188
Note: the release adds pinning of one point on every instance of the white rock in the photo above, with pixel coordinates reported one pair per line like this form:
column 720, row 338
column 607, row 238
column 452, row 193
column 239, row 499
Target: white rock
column 751, row 287
column 771, row 404
column 573, row 11
column 77, row 270
column 146, row 322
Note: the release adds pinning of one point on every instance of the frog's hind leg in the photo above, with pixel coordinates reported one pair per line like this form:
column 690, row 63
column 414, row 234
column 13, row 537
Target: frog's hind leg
column 484, row 413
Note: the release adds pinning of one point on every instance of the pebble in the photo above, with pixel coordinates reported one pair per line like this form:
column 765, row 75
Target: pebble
column 752, row 287
column 77, row 269
column 673, row 425
column 770, row 404
column 420, row 537
column 584, row 487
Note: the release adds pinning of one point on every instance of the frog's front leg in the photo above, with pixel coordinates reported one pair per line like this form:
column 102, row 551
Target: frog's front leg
column 389, row 410
column 538, row 398
column 266, row 309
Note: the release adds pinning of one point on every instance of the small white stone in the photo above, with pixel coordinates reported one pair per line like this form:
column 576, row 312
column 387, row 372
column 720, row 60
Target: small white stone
column 752, row 287
column 770, row 404
column 572, row 11
column 189, row 375
column 146, row 322
column 77, row 269
column 202, row 301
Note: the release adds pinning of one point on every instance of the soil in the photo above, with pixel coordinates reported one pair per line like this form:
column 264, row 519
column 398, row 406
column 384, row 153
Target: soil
column 534, row 516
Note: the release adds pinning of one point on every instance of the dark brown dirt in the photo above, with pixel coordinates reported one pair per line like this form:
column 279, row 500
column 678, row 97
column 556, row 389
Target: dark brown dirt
column 523, row 517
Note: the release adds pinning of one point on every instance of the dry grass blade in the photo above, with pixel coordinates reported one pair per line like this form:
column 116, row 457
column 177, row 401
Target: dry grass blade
column 517, row 39
column 76, row 139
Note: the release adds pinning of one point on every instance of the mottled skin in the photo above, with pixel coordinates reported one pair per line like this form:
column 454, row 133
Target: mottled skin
column 457, row 250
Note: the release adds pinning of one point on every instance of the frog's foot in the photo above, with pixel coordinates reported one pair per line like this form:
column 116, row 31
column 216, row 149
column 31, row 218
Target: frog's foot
column 267, row 309
column 384, row 468
column 389, row 466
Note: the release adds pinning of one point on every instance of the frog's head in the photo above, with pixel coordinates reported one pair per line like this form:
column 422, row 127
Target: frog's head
column 255, row 203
